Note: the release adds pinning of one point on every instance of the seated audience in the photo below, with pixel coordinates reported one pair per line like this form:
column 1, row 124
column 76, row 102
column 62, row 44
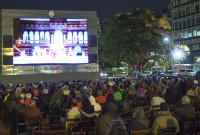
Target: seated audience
column 157, row 99
column 103, row 123
column 138, row 121
column 31, row 111
column 169, row 97
column 100, row 99
column 117, row 95
column 126, row 103
column 55, row 104
column 27, row 99
column 165, row 120
column 185, row 114
column 140, row 95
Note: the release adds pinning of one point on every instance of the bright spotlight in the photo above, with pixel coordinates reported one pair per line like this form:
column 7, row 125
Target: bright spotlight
column 178, row 54
column 166, row 39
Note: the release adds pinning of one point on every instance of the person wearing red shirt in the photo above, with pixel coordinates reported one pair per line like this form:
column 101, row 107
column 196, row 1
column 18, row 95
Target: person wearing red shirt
column 100, row 99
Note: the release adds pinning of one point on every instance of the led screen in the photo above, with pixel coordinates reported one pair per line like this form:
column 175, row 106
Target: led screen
column 50, row 41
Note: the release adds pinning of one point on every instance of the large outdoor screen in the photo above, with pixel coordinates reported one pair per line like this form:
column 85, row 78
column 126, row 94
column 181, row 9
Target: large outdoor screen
column 50, row 41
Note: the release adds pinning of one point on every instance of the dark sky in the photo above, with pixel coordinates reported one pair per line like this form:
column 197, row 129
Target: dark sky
column 104, row 8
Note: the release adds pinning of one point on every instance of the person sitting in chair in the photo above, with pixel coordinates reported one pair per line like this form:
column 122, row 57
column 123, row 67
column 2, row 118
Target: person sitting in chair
column 165, row 121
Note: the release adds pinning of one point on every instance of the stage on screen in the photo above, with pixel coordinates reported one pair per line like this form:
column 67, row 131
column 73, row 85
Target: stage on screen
column 50, row 41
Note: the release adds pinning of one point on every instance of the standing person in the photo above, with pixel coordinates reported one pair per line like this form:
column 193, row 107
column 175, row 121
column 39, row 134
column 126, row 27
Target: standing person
column 165, row 120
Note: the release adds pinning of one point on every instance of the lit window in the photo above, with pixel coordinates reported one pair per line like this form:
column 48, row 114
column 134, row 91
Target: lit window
column 41, row 37
column 80, row 37
column 189, row 34
column 74, row 37
column 37, row 37
column 47, row 36
column 31, row 37
column 194, row 33
column 185, row 34
column 85, row 37
column 25, row 36
column 69, row 37
column 198, row 32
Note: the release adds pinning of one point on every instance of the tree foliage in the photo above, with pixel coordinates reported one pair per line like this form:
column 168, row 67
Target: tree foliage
column 132, row 37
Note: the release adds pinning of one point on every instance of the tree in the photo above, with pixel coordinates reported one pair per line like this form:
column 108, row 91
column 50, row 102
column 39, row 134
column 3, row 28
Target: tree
column 132, row 37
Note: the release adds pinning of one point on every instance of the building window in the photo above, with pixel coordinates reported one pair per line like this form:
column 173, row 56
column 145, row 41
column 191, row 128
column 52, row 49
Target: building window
column 175, row 14
column 188, row 10
column 194, row 33
column 180, row 25
column 197, row 8
column 188, row 23
column 184, row 24
column 85, row 37
column 181, row 34
column 195, row 47
column 198, row 20
column 189, row 34
column 80, row 37
column 176, row 25
column 179, row 13
column 31, row 37
column 192, row 9
column 75, row 37
column 37, row 37
column 193, row 21
column 69, row 37
column 183, row 12
column 198, row 32
column 173, row 26
column 185, row 34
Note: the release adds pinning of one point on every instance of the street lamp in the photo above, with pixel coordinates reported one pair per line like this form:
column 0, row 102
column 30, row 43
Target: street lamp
column 178, row 54
column 166, row 39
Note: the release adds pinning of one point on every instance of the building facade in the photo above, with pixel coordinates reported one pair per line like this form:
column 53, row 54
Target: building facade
column 47, row 45
column 186, row 27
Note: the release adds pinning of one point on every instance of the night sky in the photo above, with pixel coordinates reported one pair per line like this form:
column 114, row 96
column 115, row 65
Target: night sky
column 104, row 8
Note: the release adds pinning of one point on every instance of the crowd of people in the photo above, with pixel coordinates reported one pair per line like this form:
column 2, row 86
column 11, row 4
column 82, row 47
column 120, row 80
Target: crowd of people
column 86, row 98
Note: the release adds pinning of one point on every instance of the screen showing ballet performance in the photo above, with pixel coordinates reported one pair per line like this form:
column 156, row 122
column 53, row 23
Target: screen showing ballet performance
column 50, row 41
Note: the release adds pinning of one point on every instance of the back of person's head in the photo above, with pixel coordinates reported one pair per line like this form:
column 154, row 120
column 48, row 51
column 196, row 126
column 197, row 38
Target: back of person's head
column 185, row 100
column 154, row 79
column 159, row 93
column 190, row 93
column 111, row 108
column 194, row 87
column 89, row 91
column 169, row 91
column 197, row 89
column 110, row 98
column 28, row 95
column 86, row 102
column 79, row 98
column 99, row 92
column 74, row 102
column 108, row 86
column 32, row 103
column 138, row 112
column 164, row 106
column 151, row 89
column 124, row 96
